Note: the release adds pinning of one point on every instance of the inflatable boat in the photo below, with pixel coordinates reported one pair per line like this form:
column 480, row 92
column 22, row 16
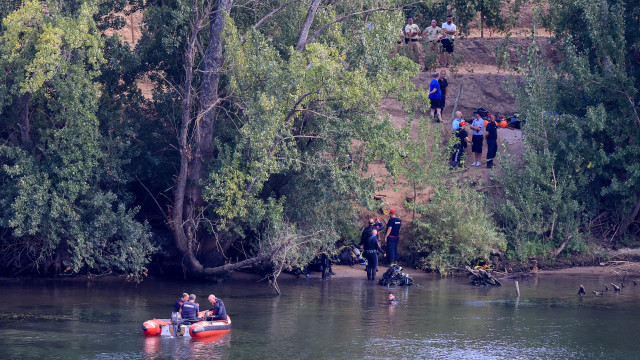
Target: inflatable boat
column 200, row 329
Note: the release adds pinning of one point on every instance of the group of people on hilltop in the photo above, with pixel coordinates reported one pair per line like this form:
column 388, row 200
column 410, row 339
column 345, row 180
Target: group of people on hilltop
column 370, row 242
column 190, row 310
column 439, row 39
column 480, row 131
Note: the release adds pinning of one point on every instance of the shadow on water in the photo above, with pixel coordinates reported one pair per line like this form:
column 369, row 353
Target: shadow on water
column 314, row 319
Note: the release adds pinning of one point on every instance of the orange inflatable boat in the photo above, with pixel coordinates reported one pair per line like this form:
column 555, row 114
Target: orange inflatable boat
column 201, row 329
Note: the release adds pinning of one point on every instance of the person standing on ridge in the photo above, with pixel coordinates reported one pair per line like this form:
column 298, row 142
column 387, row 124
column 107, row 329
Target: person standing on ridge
column 412, row 38
column 392, row 237
column 371, row 248
column 477, row 137
column 492, row 140
column 434, row 97
column 449, row 29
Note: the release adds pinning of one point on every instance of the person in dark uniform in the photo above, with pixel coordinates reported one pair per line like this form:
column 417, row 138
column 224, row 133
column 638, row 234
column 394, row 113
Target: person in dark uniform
column 492, row 140
column 190, row 310
column 393, row 236
column 217, row 310
column 366, row 232
column 371, row 248
column 180, row 301
column 457, row 157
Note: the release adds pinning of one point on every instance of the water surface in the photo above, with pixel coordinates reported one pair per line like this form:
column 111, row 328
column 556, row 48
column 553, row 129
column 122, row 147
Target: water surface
column 340, row 318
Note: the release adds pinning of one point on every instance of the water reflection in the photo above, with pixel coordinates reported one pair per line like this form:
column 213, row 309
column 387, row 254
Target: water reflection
column 339, row 318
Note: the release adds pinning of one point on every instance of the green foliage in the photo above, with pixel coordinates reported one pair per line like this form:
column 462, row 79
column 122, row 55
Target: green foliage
column 579, row 137
column 54, row 210
column 452, row 227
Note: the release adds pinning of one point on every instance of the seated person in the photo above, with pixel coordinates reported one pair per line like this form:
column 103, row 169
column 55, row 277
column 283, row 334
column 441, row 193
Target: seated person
column 217, row 311
column 181, row 300
column 190, row 310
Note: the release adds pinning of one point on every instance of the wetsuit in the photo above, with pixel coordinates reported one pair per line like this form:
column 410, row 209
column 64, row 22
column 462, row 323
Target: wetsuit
column 218, row 312
column 177, row 305
column 366, row 233
column 371, row 248
column 190, row 312
column 393, row 239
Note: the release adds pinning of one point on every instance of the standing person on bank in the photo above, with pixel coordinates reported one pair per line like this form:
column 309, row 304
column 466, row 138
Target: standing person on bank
column 449, row 29
column 412, row 38
column 492, row 140
column 434, row 97
column 371, row 248
column 455, row 124
column 443, row 89
column 392, row 238
column 457, row 157
column 477, row 137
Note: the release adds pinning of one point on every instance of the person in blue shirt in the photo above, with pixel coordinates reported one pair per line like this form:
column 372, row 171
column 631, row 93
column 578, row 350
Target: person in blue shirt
column 435, row 95
column 190, row 310
column 477, row 137
column 181, row 300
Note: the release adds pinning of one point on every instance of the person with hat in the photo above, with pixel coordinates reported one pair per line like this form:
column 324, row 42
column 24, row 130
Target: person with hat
column 392, row 238
column 477, row 137
column 457, row 158
column 371, row 248
column 492, row 140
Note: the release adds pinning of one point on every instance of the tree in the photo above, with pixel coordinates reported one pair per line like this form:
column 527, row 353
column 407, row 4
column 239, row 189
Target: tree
column 264, row 126
column 57, row 212
column 577, row 181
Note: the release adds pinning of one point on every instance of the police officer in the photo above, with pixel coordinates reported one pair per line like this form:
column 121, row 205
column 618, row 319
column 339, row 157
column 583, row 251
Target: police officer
column 217, row 310
column 190, row 310
column 393, row 236
column 371, row 248
column 180, row 301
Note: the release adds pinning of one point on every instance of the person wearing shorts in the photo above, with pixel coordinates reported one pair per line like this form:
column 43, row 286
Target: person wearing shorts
column 449, row 29
column 477, row 137
column 435, row 96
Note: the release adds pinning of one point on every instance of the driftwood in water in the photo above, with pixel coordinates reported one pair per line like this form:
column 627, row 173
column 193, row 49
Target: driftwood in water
column 481, row 277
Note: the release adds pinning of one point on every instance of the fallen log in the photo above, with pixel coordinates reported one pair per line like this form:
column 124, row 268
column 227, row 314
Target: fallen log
column 480, row 277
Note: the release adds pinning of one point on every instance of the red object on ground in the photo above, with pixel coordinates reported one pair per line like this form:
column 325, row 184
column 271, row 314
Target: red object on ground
column 504, row 124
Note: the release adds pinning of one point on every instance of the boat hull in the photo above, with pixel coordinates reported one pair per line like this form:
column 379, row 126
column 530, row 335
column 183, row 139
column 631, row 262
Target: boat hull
column 201, row 329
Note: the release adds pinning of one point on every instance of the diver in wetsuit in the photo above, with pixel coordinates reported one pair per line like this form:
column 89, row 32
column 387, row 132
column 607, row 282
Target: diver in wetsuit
column 217, row 311
column 371, row 248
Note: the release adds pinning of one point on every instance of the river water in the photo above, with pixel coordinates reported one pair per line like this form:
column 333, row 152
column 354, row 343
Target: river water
column 342, row 318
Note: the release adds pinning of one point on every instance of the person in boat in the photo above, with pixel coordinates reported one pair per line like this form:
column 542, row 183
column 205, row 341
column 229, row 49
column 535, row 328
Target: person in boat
column 217, row 311
column 190, row 310
column 181, row 300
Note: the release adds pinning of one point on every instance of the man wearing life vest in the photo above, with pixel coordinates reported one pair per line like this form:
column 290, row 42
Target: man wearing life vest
column 217, row 311
column 190, row 310
column 181, row 300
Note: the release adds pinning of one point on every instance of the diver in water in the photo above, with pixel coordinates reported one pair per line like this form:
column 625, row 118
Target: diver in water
column 392, row 299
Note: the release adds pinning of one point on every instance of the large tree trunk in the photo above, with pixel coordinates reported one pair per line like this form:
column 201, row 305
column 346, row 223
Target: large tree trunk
column 185, row 218
column 304, row 32
column 629, row 219
column 25, row 127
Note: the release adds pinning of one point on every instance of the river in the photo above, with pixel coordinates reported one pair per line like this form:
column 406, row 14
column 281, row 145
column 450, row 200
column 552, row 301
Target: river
column 342, row 318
